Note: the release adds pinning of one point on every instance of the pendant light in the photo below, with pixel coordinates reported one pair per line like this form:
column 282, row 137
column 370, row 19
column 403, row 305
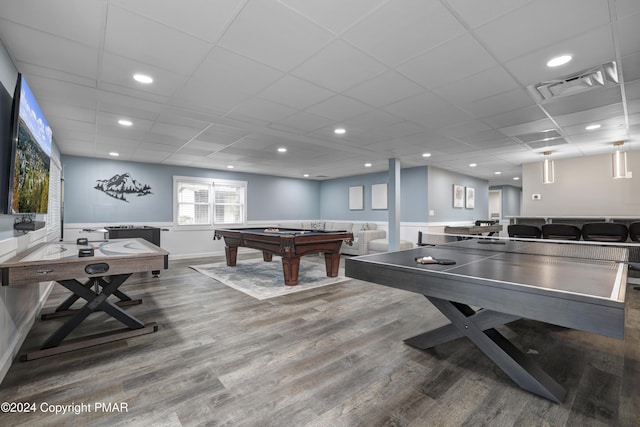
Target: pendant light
column 548, row 170
column 619, row 161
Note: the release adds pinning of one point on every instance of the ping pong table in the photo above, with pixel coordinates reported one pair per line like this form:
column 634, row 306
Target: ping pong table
column 575, row 286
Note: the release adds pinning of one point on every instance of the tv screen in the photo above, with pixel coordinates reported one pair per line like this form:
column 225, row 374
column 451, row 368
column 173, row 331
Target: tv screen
column 6, row 132
column 29, row 191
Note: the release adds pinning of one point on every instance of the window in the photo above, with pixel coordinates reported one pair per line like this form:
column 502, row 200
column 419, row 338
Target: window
column 55, row 196
column 205, row 201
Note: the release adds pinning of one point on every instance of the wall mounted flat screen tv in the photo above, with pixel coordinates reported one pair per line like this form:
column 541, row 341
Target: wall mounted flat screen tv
column 32, row 137
column 6, row 142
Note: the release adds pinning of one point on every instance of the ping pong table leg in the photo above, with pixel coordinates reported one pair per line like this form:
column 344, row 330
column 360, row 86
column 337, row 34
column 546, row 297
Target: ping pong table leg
column 485, row 319
column 522, row 370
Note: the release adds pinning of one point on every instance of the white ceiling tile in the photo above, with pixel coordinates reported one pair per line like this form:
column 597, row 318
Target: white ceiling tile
column 53, row 52
column 220, row 82
column 305, row 121
column 591, row 116
column 338, row 67
column 520, row 32
column 295, row 93
column 400, row 29
column 627, row 31
column 496, row 104
column 132, row 36
column 448, row 62
column 479, row 86
column 516, row 117
column 339, row 108
column 335, row 15
column 119, row 71
column 588, row 50
column 476, row 13
column 372, row 120
column 235, row 72
column 430, row 110
column 584, row 101
column 260, row 110
column 264, row 31
column 208, row 24
column 633, row 90
column 384, row 89
column 53, row 17
column 463, row 129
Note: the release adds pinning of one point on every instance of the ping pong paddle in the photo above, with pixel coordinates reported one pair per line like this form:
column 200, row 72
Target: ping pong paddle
column 431, row 260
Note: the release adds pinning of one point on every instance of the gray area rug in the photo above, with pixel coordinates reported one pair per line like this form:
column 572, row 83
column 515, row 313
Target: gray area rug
column 263, row 280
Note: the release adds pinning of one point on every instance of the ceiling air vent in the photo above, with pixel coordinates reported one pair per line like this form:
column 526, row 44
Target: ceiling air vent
column 601, row 76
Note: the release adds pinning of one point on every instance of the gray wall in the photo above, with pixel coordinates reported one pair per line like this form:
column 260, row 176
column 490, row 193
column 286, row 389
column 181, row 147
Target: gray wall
column 511, row 199
column 441, row 196
column 334, row 196
column 19, row 305
column 583, row 187
column 269, row 198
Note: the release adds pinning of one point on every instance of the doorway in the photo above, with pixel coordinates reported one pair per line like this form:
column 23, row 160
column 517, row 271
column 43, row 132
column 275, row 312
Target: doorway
column 495, row 205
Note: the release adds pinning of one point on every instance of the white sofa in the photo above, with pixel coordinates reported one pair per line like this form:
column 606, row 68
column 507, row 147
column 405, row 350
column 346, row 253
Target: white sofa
column 363, row 233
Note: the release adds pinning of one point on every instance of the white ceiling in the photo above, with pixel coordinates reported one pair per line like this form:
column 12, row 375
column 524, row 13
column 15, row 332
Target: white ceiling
column 236, row 79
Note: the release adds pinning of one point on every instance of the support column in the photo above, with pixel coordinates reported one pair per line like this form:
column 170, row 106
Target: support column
column 394, row 204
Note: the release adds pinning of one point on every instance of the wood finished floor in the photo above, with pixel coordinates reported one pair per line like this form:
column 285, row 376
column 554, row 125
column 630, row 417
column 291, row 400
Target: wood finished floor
column 331, row 356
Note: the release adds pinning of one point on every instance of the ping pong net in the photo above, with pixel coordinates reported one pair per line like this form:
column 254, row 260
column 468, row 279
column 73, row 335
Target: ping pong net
column 587, row 250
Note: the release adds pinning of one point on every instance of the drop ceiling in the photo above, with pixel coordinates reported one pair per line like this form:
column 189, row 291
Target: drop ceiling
column 235, row 80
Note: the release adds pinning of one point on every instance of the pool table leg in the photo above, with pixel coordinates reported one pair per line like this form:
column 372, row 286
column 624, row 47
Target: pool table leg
column 231, row 253
column 332, row 263
column 290, row 268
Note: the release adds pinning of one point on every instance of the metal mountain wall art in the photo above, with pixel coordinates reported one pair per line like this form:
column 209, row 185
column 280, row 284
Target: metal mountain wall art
column 122, row 186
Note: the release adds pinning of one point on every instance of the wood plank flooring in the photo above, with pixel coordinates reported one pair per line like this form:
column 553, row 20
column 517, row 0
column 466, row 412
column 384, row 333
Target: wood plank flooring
column 331, row 356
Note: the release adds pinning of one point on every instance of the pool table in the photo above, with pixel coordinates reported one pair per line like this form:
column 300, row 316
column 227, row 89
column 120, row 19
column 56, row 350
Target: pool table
column 289, row 243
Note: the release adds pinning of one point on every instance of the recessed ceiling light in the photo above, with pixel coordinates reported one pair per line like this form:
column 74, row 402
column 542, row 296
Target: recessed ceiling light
column 473, row 165
column 306, row 175
column 229, row 166
column 125, row 122
column 559, row 60
column 143, row 78
column 114, row 154
column 282, row 150
column 367, row 165
column 426, row 154
column 516, row 178
column 497, row 173
column 340, row 131
column 593, row 126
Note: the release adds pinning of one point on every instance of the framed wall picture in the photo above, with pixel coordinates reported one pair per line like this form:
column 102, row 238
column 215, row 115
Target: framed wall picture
column 470, row 197
column 356, row 198
column 379, row 196
column 458, row 196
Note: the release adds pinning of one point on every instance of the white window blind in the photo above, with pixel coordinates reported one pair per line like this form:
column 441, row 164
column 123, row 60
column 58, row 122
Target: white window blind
column 55, row 196
column 205, row 202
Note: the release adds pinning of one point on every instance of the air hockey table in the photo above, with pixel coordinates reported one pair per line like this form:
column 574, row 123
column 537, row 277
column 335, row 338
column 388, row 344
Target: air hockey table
column 105, row 266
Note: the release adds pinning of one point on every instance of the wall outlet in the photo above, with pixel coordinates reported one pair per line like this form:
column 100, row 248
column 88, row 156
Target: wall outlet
column 536, row 196
column 432, row 212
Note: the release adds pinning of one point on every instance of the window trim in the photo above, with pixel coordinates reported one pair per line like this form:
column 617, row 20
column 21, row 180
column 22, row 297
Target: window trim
column 211, row 182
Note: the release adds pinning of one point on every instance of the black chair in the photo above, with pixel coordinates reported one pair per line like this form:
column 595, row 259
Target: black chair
column 524, row 231
column 420, row 242
column 634, row 231
column 561, row 232
column 605, row 232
